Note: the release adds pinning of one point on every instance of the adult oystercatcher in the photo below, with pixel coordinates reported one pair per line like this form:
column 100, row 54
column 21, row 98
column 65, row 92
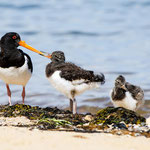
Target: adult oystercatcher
column 70, row 79
column 126, row 95
column 15, row 65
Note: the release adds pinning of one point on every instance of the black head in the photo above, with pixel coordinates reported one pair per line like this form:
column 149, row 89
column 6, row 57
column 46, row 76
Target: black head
column 58, row 56
column 10, row 40
column 120, row 82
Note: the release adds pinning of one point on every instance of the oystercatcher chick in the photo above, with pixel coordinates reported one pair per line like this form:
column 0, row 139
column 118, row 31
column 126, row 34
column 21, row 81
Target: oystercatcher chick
column 70, row 79
column 126, row 95
column 15, row 65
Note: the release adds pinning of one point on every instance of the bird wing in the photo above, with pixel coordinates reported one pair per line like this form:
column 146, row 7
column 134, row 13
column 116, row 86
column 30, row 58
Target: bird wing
column 76, row 74
column 136, row 91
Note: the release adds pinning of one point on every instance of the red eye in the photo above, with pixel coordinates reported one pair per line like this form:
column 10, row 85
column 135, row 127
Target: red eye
column 14, row 37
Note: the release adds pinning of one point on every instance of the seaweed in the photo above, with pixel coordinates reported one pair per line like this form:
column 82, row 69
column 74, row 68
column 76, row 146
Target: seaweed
column 117, row 115
column 110, row 120
column 47, row 123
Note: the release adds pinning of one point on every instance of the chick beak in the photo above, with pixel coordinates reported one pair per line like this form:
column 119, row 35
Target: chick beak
column 123, row 87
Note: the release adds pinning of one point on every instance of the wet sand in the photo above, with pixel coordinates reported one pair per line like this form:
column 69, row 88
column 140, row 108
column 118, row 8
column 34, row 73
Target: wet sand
column 20, row 138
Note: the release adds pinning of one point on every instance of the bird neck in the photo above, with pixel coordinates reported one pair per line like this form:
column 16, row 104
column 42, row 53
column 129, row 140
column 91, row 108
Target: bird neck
column 118, row 94
column 7, row 48
column 57, row 62
column 117, row 89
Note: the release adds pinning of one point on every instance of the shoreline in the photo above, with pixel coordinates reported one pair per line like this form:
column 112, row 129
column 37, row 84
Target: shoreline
column 119, row 121
column 24, row 127
column 20, row 138
column 20, row 133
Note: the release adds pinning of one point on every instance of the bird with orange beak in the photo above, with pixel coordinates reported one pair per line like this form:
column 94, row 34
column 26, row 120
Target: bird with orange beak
column 15, row 65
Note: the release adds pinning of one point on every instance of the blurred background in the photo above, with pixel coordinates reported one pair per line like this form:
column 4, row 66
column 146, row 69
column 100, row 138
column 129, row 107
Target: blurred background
column 112, row 37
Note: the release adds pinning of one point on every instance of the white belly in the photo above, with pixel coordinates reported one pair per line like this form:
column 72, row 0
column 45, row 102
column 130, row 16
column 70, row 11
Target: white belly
column 65, row 87
column 128, row 102
column 13, row 75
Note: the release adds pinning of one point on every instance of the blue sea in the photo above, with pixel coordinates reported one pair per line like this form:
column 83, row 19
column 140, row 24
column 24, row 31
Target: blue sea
column 112, row 37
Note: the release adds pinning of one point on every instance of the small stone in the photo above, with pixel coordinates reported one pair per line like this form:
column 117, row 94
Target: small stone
column 119, row 133
column 1, row 122
column 59, row 115
column 148, row 122
column 86, row 125
column 121, row 126
column 111, row 126
column 130, row 129
column 78, row 126
column 137, row 134
column 88, row 118
column 136, row 127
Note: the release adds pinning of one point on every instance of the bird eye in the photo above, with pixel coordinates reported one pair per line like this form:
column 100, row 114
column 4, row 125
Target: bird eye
column 117, row 82
column 14, row 37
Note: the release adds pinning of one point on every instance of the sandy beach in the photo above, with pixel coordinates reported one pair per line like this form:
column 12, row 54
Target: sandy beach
column 21, row 133
column 19, row 138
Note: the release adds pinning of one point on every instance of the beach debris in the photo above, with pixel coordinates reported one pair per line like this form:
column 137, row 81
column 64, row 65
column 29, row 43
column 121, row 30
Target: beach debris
column 119, row 121
column 117, row 115
column 88, row 118
column 80, row 136
column 52, row 123
column 148, row 121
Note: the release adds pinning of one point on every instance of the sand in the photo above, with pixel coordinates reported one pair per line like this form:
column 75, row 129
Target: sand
column 19, row 138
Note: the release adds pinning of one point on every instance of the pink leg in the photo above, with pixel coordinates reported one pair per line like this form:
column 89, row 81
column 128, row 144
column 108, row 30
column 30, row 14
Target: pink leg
column 9, row 94
column 23, row 94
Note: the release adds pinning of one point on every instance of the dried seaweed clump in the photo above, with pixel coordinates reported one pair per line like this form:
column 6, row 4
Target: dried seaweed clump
column 47, row 118
column 111, row 120
column 47, row 123
column 117, row 115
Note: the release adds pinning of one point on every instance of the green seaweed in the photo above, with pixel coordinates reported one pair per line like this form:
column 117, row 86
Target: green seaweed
column 107, row 115
column 118, row 119
column 52, row 123
column 32, row 113
column 37, row 113
column 111, row 115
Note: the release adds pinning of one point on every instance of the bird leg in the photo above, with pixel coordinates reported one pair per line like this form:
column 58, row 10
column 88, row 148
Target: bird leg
column 9, row 94
column 73, row 106
column 23, row 94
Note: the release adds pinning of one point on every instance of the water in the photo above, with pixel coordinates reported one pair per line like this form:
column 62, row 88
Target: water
column 112, row 37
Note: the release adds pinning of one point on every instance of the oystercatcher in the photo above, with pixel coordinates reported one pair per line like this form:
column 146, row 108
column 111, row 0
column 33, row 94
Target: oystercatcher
column 126, row 95
column 70, row 79
column 15, row 65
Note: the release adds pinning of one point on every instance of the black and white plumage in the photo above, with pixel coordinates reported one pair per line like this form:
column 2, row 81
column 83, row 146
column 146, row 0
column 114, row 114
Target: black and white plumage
column 126, row 95
column 70, row 79
column 15, row 65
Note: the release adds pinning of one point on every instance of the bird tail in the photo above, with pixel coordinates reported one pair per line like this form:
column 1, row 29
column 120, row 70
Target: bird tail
column 99, row 78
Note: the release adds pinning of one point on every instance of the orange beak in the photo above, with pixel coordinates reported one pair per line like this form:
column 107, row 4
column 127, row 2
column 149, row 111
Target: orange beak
column 23, row 44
